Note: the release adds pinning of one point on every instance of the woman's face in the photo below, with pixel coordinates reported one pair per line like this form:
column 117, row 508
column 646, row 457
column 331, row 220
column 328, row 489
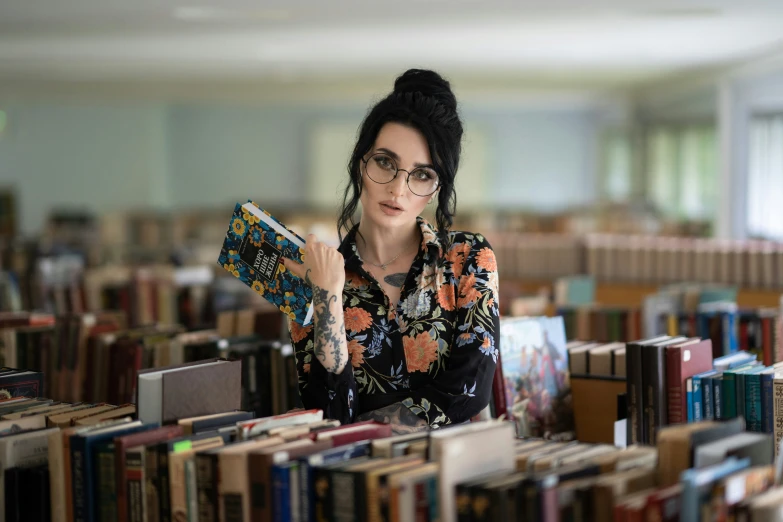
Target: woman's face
column 393, row 204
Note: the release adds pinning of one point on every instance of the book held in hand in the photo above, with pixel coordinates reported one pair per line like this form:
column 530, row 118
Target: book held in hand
column 252, row 252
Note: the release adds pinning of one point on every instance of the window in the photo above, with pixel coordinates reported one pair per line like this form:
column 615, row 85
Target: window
column 765, row 177
column 617, row 167
column 682, row 170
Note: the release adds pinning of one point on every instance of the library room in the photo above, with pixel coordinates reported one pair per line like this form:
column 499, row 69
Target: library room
column 466, row 261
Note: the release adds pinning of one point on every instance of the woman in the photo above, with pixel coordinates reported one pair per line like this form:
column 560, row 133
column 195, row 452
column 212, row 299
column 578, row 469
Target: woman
column 405, row 322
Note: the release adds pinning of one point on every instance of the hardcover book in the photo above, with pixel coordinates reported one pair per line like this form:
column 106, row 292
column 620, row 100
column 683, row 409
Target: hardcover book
column 252, row 252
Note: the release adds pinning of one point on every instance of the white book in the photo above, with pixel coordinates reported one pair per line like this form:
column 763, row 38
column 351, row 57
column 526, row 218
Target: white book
column 453, row 449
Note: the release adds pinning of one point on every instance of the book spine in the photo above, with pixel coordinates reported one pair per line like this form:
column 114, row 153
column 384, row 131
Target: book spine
column 322, row 482
column 164, row 487
column 708, row 402
column 767, row 403
column 232, row 507
column 716, row 396
column 633, row 373
column 689, row 398
column 753, row 401
column 343, row 496
column 306, row 502
column 282, row 494
column 134, row 475
column 207, row 481
column 777, row 388
column 107, row 500
column 654, row 394
column 78, row 476
column 698, row 398
column 729, row 396
column 673, row 381
column 152, row 507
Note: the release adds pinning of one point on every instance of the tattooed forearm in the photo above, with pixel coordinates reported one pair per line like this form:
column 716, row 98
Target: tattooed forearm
column 402, row 419
column 329, row 342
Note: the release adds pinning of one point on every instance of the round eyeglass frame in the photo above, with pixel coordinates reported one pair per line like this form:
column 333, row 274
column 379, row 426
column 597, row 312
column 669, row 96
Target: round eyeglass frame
column 397, row 172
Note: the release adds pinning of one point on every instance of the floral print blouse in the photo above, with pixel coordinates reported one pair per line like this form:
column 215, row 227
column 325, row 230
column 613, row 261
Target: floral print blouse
column 434, row 351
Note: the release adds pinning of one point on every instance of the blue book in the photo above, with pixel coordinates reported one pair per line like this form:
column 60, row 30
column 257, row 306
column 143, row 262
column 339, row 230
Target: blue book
column 733, row 360
column 689, row 398
column 698, row 395
column 697, row 485
column 709, row 395
column 281, row 490
column 767, row 401
column 252, row 250
column 82, row 456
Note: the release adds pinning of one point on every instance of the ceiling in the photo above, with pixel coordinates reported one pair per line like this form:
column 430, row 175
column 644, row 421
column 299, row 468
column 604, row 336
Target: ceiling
column 566, row 43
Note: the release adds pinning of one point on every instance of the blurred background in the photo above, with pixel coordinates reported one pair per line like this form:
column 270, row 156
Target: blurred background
column 636, row 142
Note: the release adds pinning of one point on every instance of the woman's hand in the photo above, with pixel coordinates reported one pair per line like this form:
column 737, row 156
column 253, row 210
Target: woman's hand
column 323, row 266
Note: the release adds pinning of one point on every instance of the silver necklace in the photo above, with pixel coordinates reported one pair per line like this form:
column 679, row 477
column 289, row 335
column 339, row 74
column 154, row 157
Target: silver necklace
column 387, row 263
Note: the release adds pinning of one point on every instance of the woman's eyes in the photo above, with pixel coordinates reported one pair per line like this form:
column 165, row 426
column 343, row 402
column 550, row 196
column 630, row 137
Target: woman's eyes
column 385, row 163
column 423, row 175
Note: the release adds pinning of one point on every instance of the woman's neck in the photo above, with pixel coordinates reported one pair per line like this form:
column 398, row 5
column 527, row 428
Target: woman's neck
column 380, row 245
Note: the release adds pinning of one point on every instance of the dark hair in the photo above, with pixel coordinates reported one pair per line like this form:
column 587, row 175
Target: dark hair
column 423, row 100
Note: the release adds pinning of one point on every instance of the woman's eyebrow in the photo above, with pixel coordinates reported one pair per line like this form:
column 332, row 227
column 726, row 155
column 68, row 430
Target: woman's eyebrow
column 396, row 157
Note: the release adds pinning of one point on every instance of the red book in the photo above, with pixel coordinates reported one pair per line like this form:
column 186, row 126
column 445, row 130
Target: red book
column 664, row 504
column 356, row 432
column 767, row 324
column 684, row 360
column 498, row 390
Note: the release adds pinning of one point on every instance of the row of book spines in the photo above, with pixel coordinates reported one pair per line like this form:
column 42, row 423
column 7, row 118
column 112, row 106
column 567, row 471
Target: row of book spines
column 708, row 398
column 733, row 334
column 601, row 325
column 270, row 489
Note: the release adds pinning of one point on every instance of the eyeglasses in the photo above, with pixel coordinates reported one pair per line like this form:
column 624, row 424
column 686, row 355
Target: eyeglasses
column 382, row 169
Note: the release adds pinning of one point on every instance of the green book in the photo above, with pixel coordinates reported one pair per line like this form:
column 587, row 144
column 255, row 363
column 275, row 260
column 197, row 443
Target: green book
column 729, row 391
column 753, row 413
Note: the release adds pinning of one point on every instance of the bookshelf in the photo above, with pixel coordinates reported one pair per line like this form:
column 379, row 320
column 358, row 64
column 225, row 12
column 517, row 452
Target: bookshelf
column 630, row 294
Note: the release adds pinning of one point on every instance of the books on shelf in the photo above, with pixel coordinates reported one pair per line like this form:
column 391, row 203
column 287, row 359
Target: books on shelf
column 252, row 250
column 299, row 466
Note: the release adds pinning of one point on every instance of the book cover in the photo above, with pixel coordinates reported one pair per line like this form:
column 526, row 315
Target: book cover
column 535, row 370
column 252, row 252
column 684, row 360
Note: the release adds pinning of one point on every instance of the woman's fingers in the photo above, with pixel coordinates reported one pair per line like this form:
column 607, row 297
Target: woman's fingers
column 294, row 267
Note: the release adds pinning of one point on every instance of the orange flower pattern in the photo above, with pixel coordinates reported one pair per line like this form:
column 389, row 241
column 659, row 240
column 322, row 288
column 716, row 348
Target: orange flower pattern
column 356, row 351
column 434, row 350
column 420, row 352
column 357, row 319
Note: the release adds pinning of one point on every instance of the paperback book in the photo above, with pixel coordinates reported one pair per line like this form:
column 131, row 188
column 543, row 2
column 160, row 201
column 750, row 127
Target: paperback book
column 252, row 252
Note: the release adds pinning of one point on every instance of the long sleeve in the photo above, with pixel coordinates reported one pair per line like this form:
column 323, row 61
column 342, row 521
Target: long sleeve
column 336, row 395
column 464, row 388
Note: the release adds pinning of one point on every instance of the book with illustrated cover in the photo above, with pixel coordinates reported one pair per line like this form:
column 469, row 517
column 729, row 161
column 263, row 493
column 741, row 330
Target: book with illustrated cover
column 535, row 372
column 252, row 252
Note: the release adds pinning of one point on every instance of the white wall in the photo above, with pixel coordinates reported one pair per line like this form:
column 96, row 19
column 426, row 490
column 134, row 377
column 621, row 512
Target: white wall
column 83, row 156
column 126, row 156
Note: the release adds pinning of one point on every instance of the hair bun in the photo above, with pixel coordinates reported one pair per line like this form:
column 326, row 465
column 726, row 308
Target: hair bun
column 428, row 83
